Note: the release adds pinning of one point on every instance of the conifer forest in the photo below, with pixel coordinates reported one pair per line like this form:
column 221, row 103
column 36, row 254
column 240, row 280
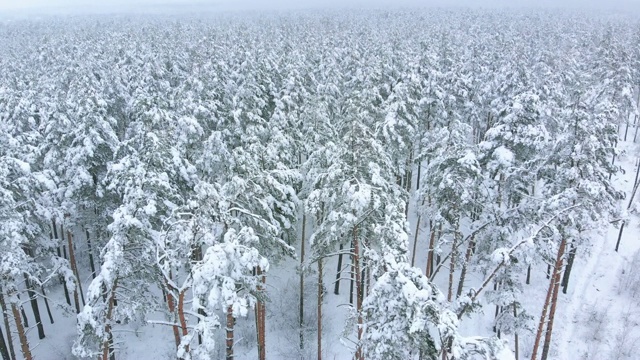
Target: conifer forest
column 447, row 184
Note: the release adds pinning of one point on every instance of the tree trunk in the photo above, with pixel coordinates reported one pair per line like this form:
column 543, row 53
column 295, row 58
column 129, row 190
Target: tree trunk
column 24, row 314
column 351, row 286
column 517, row 343
column 432, row 241
column 63, row 281
column 230, row 324
column 261, row 317
column 452, row 264
column 22, row 335
column 90, row 250
column 528, row 281
column 320, row 293
column 46, row 304
column 336, row 288
column 301, row 299
column 74, row 268
column 415, row 241
column 34, row 306
column 543, row 317
column 108, row 352
column 467, row 259
column 5, row 316
column 182, row 318
column 4, row 351
column 356, row 270
column 172, row 309
column 554, row 303
column 567, row 270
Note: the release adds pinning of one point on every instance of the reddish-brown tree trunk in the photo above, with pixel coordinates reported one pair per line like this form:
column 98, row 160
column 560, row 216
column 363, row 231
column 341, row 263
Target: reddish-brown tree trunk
column 5, row 316
column 260, row 321
column 356, row 261
column 550, row 290
column 22, row 335
column 181, row 316
column 172, row 309
column 230, row 324
column 554, row 303
column 320, row 293
column 301, row 295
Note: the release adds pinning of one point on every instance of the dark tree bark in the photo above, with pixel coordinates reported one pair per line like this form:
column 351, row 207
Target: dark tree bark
column 34, row 306
column 108, row 352
column 62, row 280
column 432, row 240
column 567, row 270
column 46, row 303
column 90, row 250
column 336, row 289
column 74, row 268
column 467, row 260
column 4, row 351
column 528, row 281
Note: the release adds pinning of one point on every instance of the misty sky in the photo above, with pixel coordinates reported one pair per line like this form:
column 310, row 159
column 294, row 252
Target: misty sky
column 62, row 6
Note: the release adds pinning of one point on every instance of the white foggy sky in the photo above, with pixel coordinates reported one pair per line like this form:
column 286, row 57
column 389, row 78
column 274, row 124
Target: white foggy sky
column 58, row 6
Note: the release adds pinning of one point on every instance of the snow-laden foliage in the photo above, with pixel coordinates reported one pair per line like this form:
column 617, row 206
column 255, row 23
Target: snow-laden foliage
column 182, row 152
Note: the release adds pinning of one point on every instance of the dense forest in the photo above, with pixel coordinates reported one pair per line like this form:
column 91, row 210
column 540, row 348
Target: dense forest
column 412, row 170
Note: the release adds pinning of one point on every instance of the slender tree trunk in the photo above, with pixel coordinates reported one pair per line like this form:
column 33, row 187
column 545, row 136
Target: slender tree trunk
column 517, row 343
column 547, row 301
column 567, row 270
column 22, row 335
column 336, row 288
column 432, row 242
column 452, row 264
column 320, row 296
column 528, row 281
column 467, row 260
column 261, row 317
column 108, row 352
column 230, row 325
column 24, row 314
column 301, row 299
column 63, row 281
column 182, row 318
column 4, row 351
column 90, row 250
column 552, row 312
column 34, row 306
column 74, row 268
column 46, row 304
column 5, row 317
column 356, row 261
column 415, row 242
column 172, row 309
column 351, row 285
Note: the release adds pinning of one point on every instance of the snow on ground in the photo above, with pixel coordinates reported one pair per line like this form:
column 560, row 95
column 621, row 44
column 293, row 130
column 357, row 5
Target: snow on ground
column 600, row 315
